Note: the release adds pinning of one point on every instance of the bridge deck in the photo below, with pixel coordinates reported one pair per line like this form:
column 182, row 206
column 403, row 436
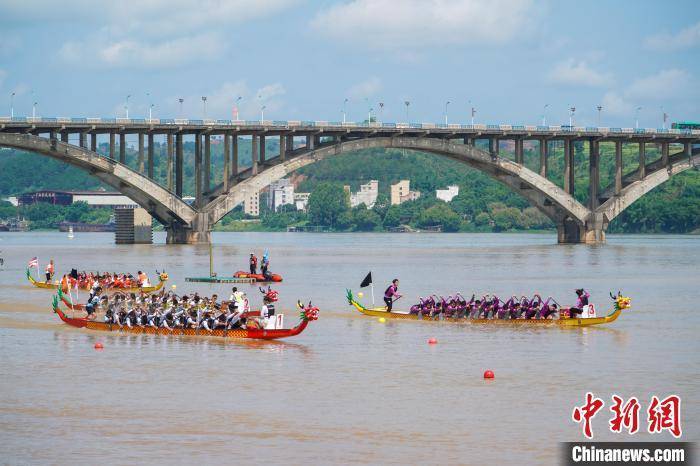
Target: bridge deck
column 123, row 125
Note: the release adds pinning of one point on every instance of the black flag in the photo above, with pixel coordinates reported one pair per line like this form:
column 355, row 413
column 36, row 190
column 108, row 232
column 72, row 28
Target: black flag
column 367, row 281
column 74, row 273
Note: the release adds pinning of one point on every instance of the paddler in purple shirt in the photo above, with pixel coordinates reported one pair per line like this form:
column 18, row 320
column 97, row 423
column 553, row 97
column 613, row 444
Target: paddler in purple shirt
column 581, row 301
column 391, row 294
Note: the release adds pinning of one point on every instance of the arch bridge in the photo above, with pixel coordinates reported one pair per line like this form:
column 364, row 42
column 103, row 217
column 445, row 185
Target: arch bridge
column 303, row 143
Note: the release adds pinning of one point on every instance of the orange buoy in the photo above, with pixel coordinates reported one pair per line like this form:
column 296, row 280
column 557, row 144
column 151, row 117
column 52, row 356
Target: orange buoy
column 489, row 374
column 98, row 345
column 432, row 341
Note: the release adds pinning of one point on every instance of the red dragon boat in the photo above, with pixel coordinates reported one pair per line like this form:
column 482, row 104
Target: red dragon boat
column 307, row 314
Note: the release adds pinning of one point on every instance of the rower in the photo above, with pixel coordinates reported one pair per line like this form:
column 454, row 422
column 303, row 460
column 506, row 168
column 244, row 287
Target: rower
column 93, row 301
column 391, row 294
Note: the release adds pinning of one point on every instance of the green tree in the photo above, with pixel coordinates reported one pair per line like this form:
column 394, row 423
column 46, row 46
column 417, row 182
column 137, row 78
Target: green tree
column 392, row 218
column 439, row 214
column 327, row 203
column 366, row 220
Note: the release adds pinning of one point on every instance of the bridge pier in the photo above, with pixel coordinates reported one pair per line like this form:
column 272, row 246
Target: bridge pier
column 570, row 231
column 198, row 233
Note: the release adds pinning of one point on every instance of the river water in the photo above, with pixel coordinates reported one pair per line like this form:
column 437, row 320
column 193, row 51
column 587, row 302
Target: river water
column 349, row 389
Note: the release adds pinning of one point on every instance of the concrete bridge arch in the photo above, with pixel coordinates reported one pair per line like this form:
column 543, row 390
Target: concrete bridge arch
column 161, row 203
column 550, row 199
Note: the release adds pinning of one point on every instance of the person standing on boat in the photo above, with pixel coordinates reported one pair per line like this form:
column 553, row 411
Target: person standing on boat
column 265, row 264
column 49, row 271
column 253, row 264
column 391, row 294
column 581, row 301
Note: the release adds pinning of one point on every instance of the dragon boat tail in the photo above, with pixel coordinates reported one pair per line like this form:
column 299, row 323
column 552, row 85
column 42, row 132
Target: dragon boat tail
column 306, row 315
column 619, row 304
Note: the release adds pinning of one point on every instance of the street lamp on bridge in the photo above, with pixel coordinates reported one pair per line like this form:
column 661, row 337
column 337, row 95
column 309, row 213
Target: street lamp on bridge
column 446, row 104
column 544, row 114
column 126, row 106
column 636, row 117
column 204, row 104
column 262, row 114
column 665, row 117
column 600, row 109
column 181, row 100
column 236, row 107
column 407, row 103
column 12, row 105
column 34, row 110
column 572, row 111
column 381, row 111
column 344, row 111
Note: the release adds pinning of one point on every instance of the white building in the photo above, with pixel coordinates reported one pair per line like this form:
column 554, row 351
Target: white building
column 447, row 194
column 401, row 192
column 367, row 195
column 103, row 199
column 281, row 193
column 301, row 200
column 251, row 204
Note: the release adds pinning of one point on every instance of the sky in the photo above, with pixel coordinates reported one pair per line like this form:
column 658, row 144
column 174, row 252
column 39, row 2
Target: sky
column 514, row 61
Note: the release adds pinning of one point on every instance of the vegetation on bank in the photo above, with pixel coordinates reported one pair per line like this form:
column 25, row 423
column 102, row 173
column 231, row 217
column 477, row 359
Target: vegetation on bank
column 48, row 216
column 482, row 204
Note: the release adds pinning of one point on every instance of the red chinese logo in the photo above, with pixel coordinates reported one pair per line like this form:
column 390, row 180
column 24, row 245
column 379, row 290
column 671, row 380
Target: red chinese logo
column 662, row 415
column 587, row 412
column 626, row 416
column 665, row 415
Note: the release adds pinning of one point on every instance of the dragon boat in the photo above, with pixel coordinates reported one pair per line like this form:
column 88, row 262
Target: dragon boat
column 162, row 278
column 619, row 304
column 307, row 314
column 258, row 277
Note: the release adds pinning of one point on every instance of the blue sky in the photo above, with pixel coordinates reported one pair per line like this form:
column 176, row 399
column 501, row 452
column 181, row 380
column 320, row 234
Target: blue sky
column 301, row 59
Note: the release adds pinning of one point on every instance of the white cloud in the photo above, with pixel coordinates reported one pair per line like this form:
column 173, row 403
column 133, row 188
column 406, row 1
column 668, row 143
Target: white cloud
column 685, row 38
column 396, row 24
column 615, row 104
column 662, row 85
column 578, row 73
column 365, row 88
column 135, row 53
column 666, row 86
column 147, row 33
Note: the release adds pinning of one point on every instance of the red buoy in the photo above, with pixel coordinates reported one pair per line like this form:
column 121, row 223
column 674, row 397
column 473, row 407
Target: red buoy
column 488, row 374
column 98, row 345
column 432, row 341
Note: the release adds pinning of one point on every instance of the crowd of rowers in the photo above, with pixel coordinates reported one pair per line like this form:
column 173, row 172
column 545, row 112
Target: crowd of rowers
column 169, row 311
column 493, row 307
column 91, row 280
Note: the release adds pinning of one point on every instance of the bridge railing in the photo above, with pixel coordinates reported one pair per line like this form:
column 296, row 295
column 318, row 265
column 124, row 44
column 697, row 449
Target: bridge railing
column 347, row 124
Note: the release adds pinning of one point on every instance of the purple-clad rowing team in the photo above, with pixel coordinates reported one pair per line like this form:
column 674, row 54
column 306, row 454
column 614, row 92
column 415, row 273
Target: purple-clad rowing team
column 493, row 307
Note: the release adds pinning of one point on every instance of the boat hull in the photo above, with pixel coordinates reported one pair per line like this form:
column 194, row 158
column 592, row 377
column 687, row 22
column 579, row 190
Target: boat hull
column 258, row 334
